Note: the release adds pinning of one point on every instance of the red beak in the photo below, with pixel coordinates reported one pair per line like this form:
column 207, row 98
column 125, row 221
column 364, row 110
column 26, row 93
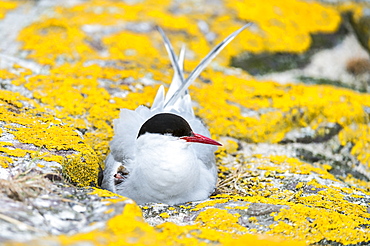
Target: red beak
column 197, row 138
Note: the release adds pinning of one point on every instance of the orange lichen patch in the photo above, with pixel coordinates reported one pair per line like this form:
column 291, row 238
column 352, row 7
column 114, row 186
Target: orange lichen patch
column 114, row 73
column 5, row 6
column 177, row 235
column 105, row 12
column 72, row 95
column 132, row 214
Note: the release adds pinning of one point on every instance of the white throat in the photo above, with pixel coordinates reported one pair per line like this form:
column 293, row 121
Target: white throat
column 166, row 166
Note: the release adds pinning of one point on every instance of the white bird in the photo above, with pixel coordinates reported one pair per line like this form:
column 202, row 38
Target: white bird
column 164, row 154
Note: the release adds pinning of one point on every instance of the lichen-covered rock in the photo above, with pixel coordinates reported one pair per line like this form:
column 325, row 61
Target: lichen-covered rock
column 33, row 137
column 294, row 169
column 337, row 58
column 34, row 207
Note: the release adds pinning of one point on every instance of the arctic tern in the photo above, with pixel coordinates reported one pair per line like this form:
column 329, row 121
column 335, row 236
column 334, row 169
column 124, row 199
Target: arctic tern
column 164, row 154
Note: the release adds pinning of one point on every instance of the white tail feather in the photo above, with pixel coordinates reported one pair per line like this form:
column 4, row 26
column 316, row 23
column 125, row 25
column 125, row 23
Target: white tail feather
column 171, row 55
column 202, row 65
column 176, row 81
column 159, row 98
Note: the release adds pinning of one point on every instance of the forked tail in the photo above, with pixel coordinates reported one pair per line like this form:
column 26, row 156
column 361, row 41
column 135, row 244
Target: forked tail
column 179, row 85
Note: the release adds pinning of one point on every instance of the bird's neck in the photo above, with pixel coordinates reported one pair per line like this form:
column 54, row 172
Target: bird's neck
column 165, row 160
column 157, row 149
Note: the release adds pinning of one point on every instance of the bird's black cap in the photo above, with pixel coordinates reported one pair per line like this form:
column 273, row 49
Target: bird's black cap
column 166, row 123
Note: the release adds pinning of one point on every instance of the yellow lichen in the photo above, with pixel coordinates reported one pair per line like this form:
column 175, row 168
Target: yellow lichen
column 58, row 40
column 314, row 224
column 5, row 6
column 359, row 136
column 164, row 215
column 275, row 109
column 284, row 27
column 89, row 53
column 39, row 128
column 5, row 161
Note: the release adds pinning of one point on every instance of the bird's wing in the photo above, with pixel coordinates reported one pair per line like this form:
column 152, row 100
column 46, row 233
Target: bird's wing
column 158, row 102
column 111, row 166
column 122, row 146
column 126, row 129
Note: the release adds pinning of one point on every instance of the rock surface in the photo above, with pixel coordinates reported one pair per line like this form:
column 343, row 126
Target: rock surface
column 34, row 207
column 294, row 169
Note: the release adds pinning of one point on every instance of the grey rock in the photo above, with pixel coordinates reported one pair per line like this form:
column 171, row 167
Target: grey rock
column 307, row 135
column 339, row 59
column 64, row 210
